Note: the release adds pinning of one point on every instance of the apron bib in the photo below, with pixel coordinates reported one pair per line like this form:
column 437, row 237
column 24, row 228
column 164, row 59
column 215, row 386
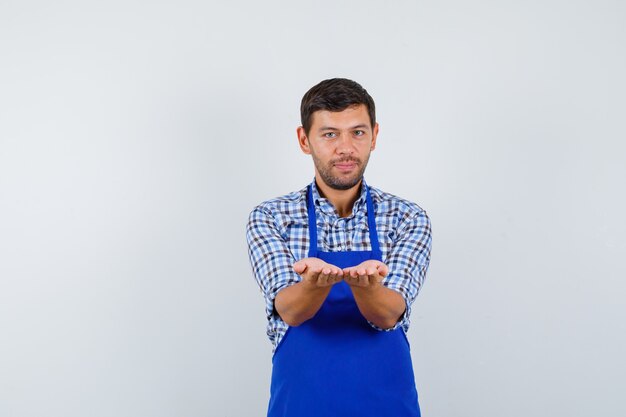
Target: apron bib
column 336, row 364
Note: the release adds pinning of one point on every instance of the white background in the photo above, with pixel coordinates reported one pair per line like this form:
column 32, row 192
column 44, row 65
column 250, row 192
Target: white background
column 136, row 136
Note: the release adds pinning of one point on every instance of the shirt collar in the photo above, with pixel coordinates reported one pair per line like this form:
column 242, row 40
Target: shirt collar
column 326, row 207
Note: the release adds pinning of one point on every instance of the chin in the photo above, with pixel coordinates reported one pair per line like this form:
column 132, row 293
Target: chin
column 337, row 184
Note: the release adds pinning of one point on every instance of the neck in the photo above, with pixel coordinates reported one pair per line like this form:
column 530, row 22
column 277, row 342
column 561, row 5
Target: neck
column 342, row 200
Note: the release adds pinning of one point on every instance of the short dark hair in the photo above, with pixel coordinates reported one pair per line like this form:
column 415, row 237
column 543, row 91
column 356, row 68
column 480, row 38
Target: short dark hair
column 335, row 94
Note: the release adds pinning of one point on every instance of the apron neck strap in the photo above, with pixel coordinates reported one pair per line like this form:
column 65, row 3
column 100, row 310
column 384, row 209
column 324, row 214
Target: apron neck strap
column 371, row 223
column 312, row 223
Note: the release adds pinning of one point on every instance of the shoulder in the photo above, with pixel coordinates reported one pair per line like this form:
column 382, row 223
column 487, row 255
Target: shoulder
column 389, row 204
column 286, row 204
column 400, row 218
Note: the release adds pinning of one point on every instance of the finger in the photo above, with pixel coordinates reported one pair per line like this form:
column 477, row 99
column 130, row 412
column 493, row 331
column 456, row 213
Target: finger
column 364, row 279
column 374, row 276
column 347, row 275
column 317, row 269
column 383, row 269
column 354, row 279
column 322, row 279
column 299, row 267
column 375, row 279
column 333, row 277
column 312, row 274
column 357, row 278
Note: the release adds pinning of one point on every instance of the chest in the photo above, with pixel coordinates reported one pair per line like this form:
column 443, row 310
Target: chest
column 335, row 234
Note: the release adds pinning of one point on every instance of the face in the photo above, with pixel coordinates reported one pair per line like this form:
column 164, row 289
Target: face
column 340, row 144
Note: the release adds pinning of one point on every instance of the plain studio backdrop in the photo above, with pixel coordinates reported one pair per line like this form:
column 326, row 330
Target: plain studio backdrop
column 136, row 136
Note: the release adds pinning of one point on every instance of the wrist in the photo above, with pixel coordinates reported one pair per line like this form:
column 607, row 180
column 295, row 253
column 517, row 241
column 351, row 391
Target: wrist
column 371, row 290
column 312, row 287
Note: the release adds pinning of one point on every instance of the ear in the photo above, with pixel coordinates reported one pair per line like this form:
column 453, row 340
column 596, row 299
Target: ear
column 303, row 141
column 374, row 135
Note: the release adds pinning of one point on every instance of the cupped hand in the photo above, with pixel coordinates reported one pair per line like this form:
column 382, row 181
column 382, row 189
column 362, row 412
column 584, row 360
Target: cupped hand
column 318, row 273
column 367, row 274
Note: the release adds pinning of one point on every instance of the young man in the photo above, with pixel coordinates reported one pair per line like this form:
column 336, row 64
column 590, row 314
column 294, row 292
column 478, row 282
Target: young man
column 339, row 263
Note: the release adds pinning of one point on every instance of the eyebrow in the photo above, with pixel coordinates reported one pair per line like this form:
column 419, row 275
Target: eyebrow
column 360, row 126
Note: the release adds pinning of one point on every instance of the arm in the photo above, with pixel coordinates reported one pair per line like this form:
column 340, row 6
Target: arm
column 385, row 296
column 378, row 304
column 293, row 290
column 270, row 257
column 408, row 260
column 299, row 302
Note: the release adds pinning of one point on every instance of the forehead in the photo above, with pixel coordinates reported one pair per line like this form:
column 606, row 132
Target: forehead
column 349, row 117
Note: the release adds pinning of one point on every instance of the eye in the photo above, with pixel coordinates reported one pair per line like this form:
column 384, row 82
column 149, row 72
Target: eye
column 359, row 132
column 330, row 135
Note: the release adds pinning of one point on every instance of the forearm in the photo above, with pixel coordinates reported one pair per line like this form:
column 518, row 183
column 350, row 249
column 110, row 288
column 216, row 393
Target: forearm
column 379, row 305
column 300, row 302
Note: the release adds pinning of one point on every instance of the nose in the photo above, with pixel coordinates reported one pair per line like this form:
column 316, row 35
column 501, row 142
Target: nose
column 345, row 145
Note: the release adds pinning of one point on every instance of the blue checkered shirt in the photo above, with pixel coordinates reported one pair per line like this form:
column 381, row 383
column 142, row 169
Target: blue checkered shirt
column 278, row 235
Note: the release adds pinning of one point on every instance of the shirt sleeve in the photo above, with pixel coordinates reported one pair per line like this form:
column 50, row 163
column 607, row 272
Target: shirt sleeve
column 270, row 257
column 408, row 261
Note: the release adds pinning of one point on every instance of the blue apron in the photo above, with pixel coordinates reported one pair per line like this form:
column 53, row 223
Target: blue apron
column 336, row 364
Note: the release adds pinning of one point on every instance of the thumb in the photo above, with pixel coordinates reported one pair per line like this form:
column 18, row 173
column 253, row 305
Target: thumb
column 299, row 267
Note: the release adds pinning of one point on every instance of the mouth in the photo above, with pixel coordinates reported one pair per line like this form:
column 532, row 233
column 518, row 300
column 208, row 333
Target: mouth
column 345, row 166
column 350, row 161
